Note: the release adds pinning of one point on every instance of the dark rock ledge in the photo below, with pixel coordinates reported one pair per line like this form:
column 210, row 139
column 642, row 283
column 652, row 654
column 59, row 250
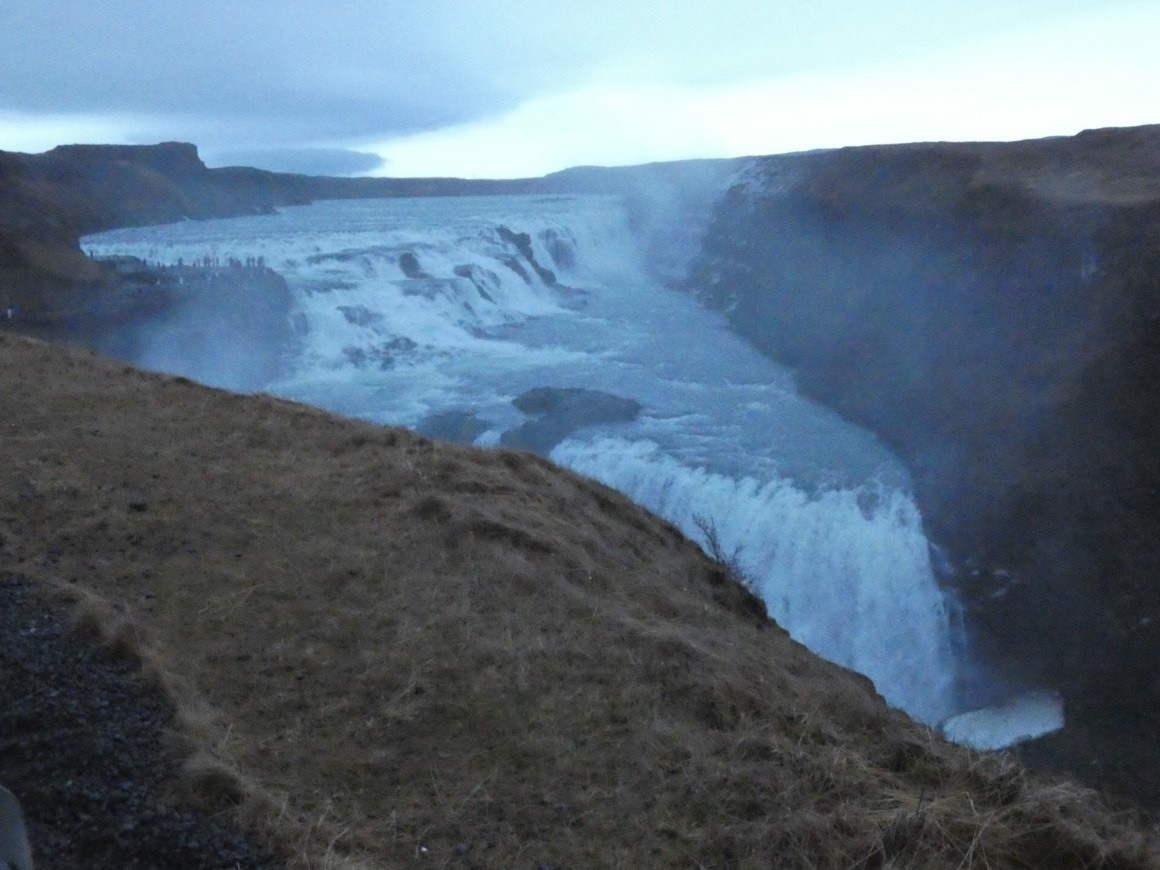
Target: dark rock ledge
column 560, row 411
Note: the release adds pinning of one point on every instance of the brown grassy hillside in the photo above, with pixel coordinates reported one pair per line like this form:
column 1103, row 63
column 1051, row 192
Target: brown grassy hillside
column 389, row 652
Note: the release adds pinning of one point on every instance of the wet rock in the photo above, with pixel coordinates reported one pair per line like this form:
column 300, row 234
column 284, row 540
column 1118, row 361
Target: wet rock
column 523, row 243
column 561, row 411
column 409, row 263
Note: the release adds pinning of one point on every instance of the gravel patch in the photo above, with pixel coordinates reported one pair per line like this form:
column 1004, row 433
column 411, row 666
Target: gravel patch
column 82, row 745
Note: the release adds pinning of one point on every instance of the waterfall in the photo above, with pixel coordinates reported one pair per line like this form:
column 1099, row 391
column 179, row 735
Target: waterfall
column 846, row 571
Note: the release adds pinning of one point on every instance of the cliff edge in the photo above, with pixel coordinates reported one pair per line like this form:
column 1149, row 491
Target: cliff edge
column 50, row 200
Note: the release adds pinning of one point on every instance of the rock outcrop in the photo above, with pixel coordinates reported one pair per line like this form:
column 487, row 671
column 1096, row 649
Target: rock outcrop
column 557, row 412
column 227, row 322
column 993, row 312
column 50, row 200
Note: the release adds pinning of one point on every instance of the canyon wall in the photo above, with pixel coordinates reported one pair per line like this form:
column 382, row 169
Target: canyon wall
column 992, row 311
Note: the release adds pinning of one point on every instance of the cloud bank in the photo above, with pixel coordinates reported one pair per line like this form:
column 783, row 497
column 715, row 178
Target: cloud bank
column 305, row 83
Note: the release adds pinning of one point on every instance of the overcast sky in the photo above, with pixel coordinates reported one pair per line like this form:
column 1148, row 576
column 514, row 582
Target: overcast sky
column 504, row 88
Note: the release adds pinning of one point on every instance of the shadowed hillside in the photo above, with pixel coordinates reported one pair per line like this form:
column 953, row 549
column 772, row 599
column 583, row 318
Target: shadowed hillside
column 385, row 650
column 991, row 311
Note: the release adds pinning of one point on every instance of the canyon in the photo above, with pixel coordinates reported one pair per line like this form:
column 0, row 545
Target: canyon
column 990, row 310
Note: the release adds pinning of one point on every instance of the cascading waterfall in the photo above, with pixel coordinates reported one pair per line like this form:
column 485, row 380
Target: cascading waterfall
column 411, row 308
column 847, row 571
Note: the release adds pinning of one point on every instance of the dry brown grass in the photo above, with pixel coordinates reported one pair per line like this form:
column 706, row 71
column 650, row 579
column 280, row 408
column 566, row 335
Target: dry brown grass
column 388, row 651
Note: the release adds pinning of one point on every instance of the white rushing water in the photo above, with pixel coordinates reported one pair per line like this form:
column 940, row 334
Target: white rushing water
column 411, row 308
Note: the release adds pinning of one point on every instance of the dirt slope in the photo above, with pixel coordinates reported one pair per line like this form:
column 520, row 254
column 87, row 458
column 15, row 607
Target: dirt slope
column 385, row 650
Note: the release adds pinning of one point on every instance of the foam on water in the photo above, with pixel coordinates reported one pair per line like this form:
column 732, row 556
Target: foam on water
column 1023, row 717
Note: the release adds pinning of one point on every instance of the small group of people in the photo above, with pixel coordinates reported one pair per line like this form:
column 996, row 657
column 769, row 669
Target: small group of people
column 215, row 263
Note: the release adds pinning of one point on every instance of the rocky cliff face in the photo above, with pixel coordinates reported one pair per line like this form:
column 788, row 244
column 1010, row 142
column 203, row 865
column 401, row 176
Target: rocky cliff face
column 993, row 312
column 48, row 201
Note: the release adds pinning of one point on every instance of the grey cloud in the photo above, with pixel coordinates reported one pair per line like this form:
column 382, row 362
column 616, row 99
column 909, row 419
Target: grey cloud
column 266, row 70
column 260, row 73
